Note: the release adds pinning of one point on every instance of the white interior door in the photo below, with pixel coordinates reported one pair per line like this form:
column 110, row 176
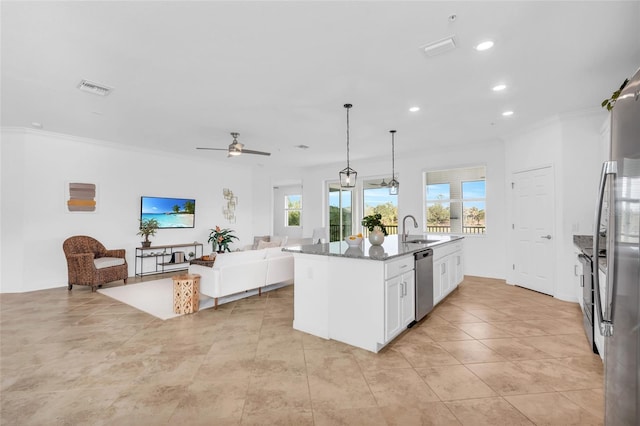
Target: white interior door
column 533, row 200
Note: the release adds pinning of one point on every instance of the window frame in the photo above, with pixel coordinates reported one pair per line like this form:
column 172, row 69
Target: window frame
column 288, row 210
column 456, row 177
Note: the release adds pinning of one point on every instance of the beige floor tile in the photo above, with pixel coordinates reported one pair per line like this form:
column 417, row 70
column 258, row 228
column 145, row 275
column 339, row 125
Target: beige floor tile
column 455, row 382
column 284, row 392
column 470, row 351
column 591, row 400
column 506, row 378
column 349, row 417
column 443, row 333
column 82, row 358
column 483, row 330
column 562, row 345
column 487, row 412
column 429, row 414
column 552, row 409
column 427, row 354
column 399, row 386
column 383, row 360
column 519, row 328
column 514, row 349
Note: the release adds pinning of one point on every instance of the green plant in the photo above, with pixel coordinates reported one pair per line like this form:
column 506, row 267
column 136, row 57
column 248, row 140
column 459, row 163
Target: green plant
column 373, row 220
column 610, row 102
column 147, row 227
column 221, row 238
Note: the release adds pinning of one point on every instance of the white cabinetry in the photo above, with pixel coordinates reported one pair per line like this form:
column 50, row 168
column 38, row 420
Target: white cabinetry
column 448, row 269
column 399, row 289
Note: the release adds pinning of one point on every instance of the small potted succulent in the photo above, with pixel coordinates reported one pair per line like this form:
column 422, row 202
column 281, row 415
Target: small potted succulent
column 147, row 227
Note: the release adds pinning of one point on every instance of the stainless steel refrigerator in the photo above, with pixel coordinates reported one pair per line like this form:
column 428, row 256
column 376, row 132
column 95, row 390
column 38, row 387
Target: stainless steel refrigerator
column 618, row 293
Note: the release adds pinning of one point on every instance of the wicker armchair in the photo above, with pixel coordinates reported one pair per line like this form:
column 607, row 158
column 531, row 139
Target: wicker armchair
column 90, row 263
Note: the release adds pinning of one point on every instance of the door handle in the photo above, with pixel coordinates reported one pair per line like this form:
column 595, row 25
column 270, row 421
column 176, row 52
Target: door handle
column 548, row 237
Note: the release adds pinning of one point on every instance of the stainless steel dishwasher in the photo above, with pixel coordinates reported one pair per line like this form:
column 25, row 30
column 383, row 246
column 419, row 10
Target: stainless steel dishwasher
column 424, row 283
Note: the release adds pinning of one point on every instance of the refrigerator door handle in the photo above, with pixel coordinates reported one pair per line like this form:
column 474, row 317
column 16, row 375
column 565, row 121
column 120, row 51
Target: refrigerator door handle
column 605, row 316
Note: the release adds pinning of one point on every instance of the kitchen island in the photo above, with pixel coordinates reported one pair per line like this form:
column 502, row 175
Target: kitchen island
column 365, row 295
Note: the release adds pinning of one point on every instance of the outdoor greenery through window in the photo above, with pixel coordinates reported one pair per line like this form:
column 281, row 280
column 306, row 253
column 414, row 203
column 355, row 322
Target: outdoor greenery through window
column 340, row 214
column 292, row 210
column 456, row 200
column 376, row 200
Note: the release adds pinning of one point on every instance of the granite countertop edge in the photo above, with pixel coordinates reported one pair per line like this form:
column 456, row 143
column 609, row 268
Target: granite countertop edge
column 392, row 248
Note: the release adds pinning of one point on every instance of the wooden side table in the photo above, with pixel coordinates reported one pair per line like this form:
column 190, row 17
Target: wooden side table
column 186, row 293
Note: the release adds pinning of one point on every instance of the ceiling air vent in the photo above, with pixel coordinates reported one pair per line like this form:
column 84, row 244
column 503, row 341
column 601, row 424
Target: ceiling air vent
column 439, row 47
column 95, row 88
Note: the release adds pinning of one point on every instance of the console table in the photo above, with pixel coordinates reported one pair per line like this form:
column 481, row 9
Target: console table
column 161, row 258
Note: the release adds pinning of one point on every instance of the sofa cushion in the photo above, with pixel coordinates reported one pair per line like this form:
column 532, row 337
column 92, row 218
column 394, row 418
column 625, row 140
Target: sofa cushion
column 225, row 259
column 107, row 262
column 256, row 240
column 280, row 239
column 267, row 244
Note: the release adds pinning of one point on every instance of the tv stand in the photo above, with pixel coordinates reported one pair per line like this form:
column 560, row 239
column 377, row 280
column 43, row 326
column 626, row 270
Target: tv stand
column 162, row 255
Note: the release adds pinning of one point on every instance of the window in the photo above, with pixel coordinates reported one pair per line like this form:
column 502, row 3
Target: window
column 376, row 199
column 292, row 210
column 455, row 201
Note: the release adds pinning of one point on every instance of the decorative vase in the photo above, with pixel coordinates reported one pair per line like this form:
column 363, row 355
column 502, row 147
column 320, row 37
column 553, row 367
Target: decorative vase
column 376, row 237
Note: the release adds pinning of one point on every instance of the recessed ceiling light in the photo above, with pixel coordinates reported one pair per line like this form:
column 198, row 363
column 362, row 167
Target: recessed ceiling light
column 36, row 125
column 499, row 87
column 484, row 45
column 414, row 109
column 507, row 113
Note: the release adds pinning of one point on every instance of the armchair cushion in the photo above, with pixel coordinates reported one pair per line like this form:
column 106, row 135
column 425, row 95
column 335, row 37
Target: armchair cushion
column 107, row 262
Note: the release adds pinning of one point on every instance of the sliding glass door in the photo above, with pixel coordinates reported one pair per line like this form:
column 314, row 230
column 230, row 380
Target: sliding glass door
column 340, row 212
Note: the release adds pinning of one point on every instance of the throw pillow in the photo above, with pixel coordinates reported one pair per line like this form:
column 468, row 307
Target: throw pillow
column 267, row 244
column 281, row 240
column 256, row 240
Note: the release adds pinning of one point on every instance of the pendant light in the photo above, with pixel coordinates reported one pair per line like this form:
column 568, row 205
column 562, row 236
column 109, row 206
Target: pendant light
column 394, row 185
column 348, row 175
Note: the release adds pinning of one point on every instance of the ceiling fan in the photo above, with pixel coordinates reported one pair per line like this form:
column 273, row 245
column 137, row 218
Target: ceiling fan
column 383, row 184
column 236, row 148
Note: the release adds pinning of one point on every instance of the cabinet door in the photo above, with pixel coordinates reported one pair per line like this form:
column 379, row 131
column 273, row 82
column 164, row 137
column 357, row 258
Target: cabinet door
column 437, row 280
column 445, row 276
column 459, row 267
column 393, row 289
column 408, row 299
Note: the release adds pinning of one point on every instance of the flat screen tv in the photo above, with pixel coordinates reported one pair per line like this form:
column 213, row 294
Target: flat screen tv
column 169, row 212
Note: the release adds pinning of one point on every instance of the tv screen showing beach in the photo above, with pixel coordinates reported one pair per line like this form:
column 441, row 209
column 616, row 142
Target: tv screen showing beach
column 169, row 212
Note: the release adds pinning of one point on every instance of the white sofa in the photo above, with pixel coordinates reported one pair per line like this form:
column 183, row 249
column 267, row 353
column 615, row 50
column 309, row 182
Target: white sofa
column 238, row 272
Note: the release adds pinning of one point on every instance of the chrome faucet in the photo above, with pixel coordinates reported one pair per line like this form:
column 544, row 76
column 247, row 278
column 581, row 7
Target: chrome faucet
column 404, row 225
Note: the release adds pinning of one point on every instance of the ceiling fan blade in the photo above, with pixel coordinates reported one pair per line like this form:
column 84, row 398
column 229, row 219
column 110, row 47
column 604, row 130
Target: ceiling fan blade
column 249, row 151
column 213, row 149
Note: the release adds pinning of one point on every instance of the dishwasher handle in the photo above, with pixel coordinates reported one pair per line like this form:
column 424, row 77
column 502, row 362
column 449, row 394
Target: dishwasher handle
column 423, row 254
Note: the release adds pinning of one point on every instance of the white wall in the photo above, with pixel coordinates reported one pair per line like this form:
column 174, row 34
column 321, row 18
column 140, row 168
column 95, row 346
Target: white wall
column 34, row 222
column 574, row 146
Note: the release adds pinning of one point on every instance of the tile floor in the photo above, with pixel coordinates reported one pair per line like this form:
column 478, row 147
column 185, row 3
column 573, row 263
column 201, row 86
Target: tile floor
column 490, row 354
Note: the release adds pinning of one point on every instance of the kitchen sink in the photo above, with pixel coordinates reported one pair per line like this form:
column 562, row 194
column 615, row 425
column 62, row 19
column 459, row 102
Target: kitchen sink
column 421, row 241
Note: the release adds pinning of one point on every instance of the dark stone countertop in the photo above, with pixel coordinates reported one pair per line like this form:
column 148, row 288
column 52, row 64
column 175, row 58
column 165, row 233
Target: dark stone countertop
column 390, row 248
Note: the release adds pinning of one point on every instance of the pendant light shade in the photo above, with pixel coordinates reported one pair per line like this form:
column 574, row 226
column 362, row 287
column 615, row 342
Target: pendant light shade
column 394, row 185
column 348, row 175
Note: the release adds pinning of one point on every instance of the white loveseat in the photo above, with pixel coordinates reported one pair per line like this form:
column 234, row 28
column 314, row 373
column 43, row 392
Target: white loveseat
column 238, row 272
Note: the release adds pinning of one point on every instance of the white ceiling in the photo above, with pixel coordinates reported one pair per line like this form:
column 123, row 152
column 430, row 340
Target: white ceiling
column 187, row 74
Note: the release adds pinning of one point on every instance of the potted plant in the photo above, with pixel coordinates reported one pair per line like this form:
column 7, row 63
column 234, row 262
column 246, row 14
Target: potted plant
column 372, row 221
column 221, row 238
column 147, row 227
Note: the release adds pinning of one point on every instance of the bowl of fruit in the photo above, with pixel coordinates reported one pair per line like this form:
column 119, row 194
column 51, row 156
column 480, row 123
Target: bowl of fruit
column 353, row 240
